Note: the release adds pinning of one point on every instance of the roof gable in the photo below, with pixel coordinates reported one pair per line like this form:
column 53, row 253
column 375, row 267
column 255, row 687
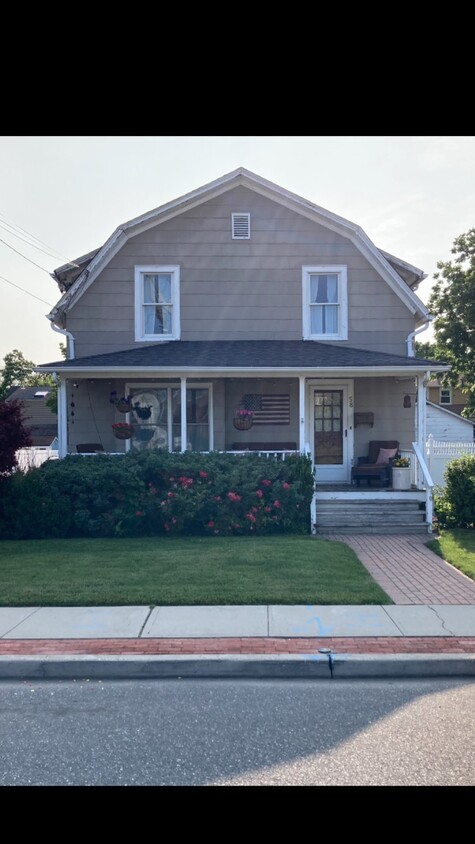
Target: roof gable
column 244, row 177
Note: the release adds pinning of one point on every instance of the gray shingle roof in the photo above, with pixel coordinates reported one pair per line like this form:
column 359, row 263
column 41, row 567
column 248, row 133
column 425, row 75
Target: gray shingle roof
column 244, row 353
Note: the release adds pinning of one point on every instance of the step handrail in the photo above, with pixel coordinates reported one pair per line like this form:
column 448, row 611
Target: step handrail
column 429, row 484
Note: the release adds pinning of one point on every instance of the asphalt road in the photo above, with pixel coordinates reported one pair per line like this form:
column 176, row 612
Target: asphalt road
column 205, row 732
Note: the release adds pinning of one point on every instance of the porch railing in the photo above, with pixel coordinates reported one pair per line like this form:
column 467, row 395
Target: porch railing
column 428, row 483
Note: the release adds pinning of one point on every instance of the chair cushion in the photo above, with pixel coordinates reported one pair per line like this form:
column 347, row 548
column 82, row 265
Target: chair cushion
column 375, row 445
column 385, row 455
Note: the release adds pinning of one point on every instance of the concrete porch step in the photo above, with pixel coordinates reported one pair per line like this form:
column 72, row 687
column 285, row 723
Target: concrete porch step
column 392, row 518
column 381, row 530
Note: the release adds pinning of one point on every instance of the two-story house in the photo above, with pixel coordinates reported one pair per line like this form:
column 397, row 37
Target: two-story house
column 242, row 296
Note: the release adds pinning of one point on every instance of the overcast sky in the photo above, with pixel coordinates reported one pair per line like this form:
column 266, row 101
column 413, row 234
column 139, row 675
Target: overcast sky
column 411, row 195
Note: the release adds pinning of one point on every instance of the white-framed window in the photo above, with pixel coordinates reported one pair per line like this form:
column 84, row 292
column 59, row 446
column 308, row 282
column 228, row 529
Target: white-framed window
column 156, row 416
column 241, row 226
column 157, row 303
column 325, row 303
column 446, row 395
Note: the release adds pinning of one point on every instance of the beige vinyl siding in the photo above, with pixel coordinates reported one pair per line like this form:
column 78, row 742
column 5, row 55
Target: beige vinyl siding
column 240, row 290
column 392, row 421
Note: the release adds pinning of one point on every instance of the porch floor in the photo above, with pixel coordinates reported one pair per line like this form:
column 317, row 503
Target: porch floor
column 363, row 489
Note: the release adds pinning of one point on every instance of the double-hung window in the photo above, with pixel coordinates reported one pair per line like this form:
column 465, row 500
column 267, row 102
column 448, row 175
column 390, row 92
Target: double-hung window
column 157, row 303
column 445, row 395
column 325, row 304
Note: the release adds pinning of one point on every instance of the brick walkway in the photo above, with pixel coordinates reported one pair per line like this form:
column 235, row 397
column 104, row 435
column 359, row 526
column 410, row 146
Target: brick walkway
column 257, row 645
column 408, row 571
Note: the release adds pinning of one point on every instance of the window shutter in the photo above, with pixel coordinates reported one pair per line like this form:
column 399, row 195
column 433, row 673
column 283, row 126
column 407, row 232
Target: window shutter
column 241, row 226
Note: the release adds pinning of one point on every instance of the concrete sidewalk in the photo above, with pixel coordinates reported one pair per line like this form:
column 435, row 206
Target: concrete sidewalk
column 237, row 641
column 274, row 621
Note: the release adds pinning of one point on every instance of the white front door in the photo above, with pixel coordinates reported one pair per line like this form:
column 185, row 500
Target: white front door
column 331, row 435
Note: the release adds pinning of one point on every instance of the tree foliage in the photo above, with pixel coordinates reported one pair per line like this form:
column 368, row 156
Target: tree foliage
column 452, row 302
column 13, row 434
column 17, row 371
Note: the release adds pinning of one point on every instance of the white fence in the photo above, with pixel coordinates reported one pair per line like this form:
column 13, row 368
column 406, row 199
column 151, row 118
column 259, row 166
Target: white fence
column 31, row 458
column 439, row 453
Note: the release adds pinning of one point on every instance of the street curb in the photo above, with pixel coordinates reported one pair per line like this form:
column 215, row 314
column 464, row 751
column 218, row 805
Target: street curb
column 235, row 666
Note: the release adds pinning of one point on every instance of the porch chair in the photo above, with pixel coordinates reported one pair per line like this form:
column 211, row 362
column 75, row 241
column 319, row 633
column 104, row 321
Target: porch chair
column 368, row 468
column 88, row 448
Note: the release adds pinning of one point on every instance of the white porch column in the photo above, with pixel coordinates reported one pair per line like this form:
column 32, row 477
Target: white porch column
column 62, row 419
column 183, row 413
column 301, row 413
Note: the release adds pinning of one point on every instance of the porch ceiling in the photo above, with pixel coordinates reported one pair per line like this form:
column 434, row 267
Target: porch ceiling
column 244, row 356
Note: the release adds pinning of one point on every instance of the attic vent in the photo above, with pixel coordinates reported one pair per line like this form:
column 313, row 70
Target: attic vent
column 241, row 226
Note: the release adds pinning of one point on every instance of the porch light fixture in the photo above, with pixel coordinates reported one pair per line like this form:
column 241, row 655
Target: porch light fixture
column 407, row 400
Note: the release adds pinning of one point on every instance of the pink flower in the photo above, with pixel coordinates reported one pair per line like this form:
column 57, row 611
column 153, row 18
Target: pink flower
column 210, row 524
column 267, row 509
column 254, row 509
column 203, row 474
column 251, row 517
column 166, row 526
column 259, row 493
column 173, row 520
column 266, row 483
column 138, row 513
column 171, row 478
column 171, row 494
column 217, row 498
column 276, row 503
column 233, row 496
column 285, row 485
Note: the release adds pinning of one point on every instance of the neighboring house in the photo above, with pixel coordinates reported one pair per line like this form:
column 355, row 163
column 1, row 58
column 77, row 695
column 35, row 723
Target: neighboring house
column 42, row 422
column 242, row 295
column 449, row 398
column 445, row 424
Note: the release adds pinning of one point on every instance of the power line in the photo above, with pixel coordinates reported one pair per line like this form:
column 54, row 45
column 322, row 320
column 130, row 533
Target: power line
column 20, row 228
column 28, row 242
column 24, row 256
column 26, row 291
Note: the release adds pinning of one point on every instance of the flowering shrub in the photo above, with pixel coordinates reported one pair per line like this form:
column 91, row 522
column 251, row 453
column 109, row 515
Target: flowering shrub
column 154, row 492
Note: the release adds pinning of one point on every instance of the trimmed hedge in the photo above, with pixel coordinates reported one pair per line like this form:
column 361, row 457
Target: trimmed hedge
column 455, row 504
column 155, row 492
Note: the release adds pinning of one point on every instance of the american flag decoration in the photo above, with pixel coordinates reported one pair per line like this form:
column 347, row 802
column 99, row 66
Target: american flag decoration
column 268, row 410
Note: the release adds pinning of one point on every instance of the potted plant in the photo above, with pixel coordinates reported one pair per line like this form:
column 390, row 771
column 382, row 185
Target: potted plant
column 123, row 430
column 401, row 472
column 123, row 404
column 243, row 419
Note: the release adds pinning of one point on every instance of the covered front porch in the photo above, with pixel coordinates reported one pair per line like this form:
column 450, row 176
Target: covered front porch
column 333, row 419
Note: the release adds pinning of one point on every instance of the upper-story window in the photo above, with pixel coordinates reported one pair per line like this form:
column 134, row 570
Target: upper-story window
column 157, row 303
column 325, row 304
column 446, row 395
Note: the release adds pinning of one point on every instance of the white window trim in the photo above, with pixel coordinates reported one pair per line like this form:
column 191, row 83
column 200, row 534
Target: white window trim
column 335, row 269
column 139, row 326
column 241, row 214
column 157, row 385
column 445, row 389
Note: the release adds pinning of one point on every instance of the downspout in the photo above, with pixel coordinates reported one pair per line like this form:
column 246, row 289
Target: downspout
column 411, row 352
column 68, row 335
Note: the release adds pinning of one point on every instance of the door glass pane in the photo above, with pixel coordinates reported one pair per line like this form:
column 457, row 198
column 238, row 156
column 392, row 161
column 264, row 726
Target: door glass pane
column 328, row 432
column 197, row 417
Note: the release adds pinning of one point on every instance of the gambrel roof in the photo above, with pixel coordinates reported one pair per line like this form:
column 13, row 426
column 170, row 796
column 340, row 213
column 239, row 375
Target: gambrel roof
column 74, row 279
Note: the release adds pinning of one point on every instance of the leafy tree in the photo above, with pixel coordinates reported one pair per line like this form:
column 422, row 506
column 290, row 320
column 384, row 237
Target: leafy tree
column 427, row 351
column 18, row 371
column 13, row 434
column 452, row 301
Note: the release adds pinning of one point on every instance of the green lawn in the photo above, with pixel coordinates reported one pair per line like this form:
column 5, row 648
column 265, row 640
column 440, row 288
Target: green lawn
column 458, row 548
column 233, row 570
